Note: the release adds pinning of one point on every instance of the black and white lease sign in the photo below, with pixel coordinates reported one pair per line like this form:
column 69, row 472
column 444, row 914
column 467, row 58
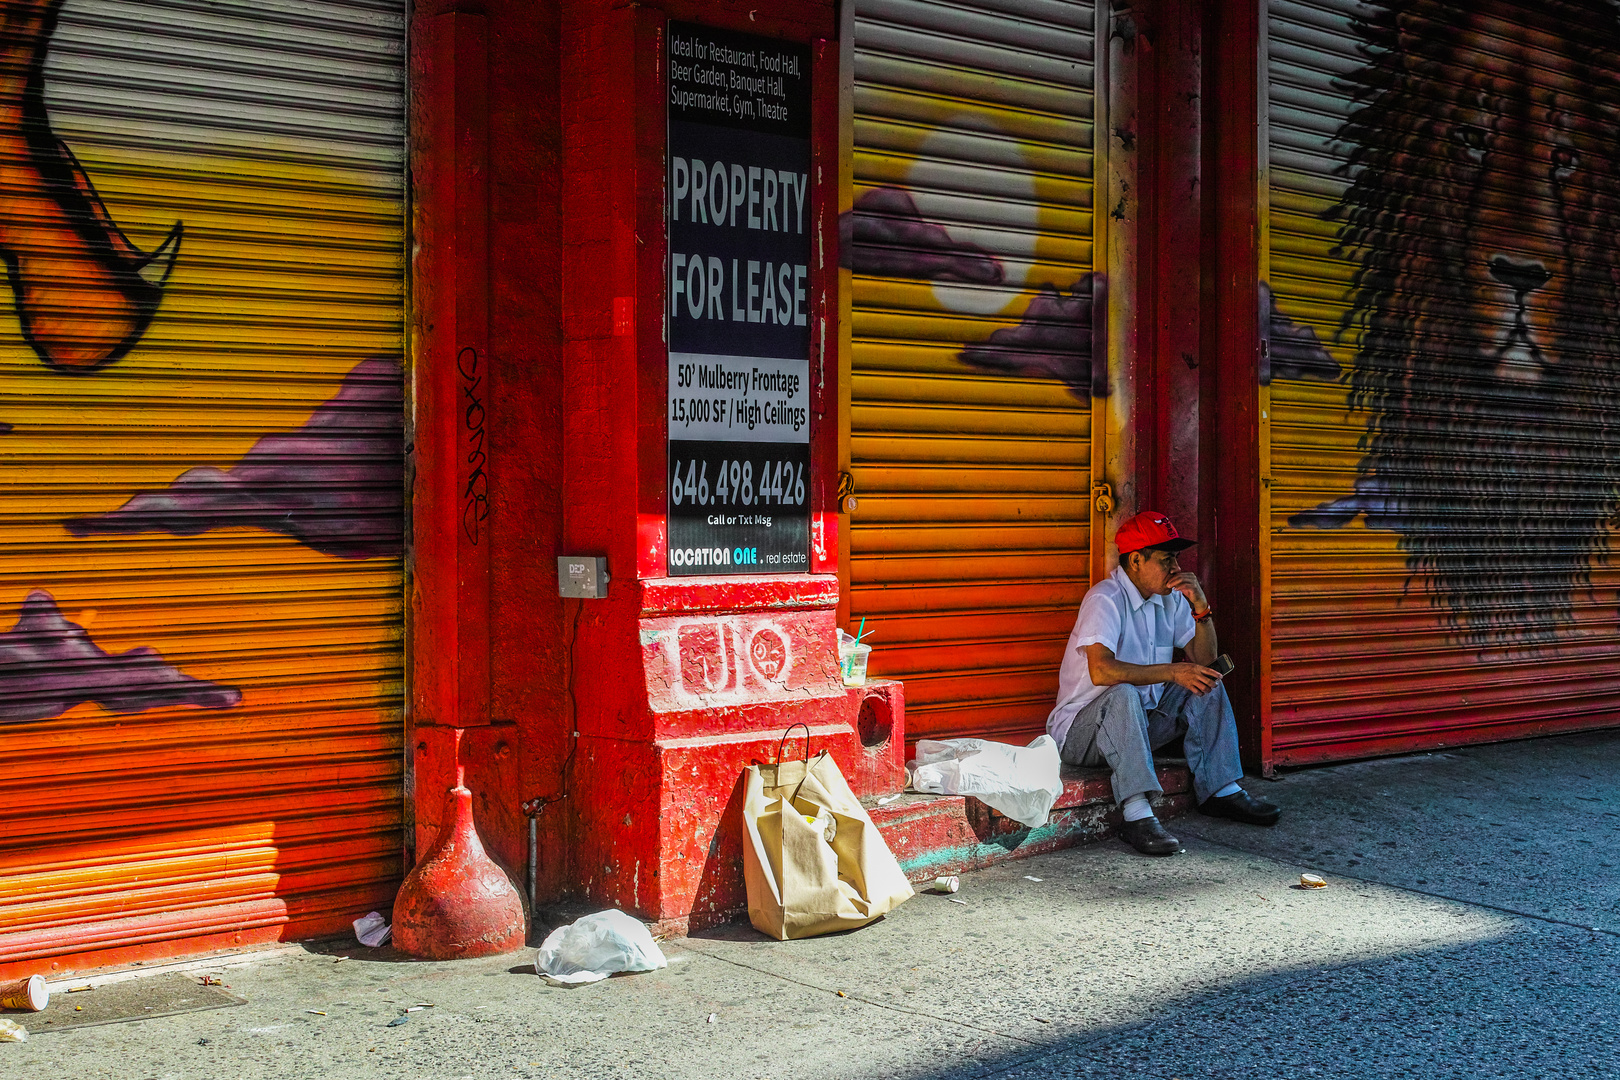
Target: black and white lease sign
column 738, row 212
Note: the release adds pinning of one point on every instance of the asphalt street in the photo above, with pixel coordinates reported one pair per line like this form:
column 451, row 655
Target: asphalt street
column 1469, row 929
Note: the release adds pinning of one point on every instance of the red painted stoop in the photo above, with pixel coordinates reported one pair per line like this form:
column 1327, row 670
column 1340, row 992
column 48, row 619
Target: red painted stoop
column 947, row 834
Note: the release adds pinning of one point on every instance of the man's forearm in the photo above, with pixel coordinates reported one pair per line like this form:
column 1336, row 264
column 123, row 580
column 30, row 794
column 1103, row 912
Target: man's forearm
column 1113, row 672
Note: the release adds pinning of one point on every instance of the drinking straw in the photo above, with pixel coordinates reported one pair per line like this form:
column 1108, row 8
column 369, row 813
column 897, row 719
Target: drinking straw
column 859, row 633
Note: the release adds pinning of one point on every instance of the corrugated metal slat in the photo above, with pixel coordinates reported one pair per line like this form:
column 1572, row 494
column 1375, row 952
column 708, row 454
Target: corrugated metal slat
column 222, row 503
column 969, row 546
column 1378, row 647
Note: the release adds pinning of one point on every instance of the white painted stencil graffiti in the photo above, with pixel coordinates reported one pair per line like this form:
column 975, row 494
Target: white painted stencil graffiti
column 768, row 653
column 729, row 657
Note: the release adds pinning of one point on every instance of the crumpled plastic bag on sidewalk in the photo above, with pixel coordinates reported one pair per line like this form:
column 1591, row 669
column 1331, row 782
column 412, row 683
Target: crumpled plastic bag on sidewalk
column 371, row 929
column 1019, row 782
column 592, row 948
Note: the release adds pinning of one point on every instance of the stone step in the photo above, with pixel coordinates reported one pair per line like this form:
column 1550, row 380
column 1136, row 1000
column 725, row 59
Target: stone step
column 933, row 835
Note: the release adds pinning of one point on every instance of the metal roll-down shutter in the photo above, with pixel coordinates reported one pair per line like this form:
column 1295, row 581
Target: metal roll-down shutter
column 201, row 514
column 1443, row 446
column 970, row 247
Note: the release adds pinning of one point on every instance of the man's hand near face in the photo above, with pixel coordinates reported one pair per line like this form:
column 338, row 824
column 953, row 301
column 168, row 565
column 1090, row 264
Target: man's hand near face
column 1186, row 583
column 1204, row 647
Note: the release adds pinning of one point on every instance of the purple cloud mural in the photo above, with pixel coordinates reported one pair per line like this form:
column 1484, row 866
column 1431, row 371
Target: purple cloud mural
column 886, row 235
column 48, row 665
column 1052, row 341
column 1296, row 352
column 336, row 484
column 1372, row 499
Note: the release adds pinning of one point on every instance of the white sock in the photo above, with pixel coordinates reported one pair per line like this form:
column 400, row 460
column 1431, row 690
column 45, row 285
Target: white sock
column 1229, row 789
column 1137, row 807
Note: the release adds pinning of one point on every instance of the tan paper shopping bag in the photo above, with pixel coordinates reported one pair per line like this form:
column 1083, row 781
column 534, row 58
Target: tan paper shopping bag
column 813, row 861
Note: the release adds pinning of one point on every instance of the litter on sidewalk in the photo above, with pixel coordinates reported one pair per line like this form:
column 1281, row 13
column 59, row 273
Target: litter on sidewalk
column 802, row 878
column 1312, row 881
column 11, row 1031
column 1019, row 782
column 25, row 995
column 591, row 948
column 372, row 929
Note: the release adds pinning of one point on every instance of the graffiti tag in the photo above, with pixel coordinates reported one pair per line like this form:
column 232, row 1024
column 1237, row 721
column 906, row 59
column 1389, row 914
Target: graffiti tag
column 475, row 496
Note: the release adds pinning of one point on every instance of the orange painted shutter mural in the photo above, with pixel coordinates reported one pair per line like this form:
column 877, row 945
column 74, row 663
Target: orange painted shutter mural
column 1445, row 335
column 970, row 248
column 201, row 212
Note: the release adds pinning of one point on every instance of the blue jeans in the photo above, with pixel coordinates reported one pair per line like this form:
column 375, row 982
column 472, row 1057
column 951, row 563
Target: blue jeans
column 1115, row 730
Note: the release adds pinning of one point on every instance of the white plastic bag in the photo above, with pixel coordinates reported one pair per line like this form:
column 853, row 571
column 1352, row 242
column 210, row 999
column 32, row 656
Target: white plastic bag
column 371, row 929
column 592, row 948
column 1020, row 782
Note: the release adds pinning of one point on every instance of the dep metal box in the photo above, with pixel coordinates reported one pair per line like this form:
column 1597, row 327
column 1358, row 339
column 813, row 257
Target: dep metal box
column 584, row 576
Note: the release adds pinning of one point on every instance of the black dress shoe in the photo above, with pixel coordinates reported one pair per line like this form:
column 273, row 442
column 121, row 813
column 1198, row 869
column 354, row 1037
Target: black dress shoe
column 1148, row 836
column 1241, row 806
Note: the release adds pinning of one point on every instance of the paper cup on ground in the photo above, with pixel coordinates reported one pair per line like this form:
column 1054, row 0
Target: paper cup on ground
column 1311, row 881
column 28, row 995
column 948, row 884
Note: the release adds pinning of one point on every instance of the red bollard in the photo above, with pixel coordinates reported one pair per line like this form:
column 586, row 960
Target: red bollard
column 457, row 903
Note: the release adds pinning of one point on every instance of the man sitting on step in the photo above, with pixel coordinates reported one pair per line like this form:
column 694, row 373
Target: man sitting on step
column 1120, row 696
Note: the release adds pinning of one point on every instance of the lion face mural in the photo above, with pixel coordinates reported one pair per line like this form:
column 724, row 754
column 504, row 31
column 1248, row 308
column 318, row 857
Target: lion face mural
column 1527, row 238
column 1484, row 213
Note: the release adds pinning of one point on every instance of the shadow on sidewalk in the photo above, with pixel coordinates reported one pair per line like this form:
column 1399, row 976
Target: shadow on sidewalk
column 1537, row 1002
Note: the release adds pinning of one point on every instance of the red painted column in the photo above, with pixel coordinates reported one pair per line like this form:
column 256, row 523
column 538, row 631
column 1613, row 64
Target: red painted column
column 612, row 386
column 449, row 564
column 449, row 582
column 1170, row 115
column 1231, row 366
column 528, row 626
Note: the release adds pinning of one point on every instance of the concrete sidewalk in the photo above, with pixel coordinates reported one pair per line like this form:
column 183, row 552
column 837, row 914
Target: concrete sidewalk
column 1469, row 929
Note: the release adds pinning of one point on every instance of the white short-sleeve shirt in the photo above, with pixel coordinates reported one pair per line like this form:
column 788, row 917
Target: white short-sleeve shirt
column 1137, row 629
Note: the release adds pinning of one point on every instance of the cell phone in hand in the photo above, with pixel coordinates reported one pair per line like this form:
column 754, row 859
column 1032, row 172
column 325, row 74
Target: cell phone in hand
column 1222, row 665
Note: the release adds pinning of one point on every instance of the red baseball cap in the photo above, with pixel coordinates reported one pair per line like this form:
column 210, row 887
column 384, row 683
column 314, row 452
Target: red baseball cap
column 1149, row 529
